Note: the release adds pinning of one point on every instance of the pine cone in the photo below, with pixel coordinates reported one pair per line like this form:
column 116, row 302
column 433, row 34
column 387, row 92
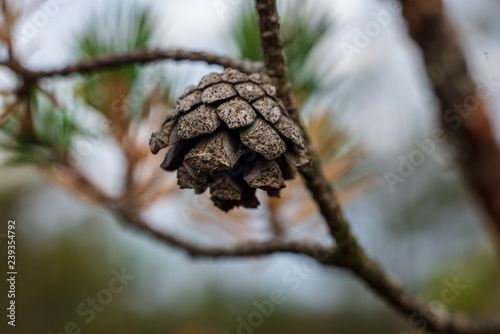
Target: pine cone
column 232, row 135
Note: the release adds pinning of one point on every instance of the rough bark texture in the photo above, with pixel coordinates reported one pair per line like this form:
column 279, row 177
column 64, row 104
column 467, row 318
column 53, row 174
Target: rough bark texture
column 263, row 139
column 274, row 58
column 142, row 57
column 275, row 64
column 464, row 114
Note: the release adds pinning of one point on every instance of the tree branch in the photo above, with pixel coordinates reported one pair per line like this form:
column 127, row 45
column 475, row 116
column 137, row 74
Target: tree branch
column 276, row 226
column 351, row 254
column 464, row 115
column 75, row 181
column 326, row 255
column 8, row 110
column 439, row 321
column 137, row 57
column 275, row 63
column 274, row 57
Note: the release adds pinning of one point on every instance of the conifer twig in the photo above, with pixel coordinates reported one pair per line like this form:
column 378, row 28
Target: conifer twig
column 143, row 57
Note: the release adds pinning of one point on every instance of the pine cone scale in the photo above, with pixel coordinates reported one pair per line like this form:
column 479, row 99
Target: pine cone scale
column 265, row 175
column 236, row 113
column 250, row 91
column 263, row 139
column 218, row 92
column 203, row 120
column 187, row 178
column 269, row 109
column 215, row 154
column 184, row 104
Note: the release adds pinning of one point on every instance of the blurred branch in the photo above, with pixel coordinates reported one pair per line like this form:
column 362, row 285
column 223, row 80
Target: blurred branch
column 464, row 115
column 73, row 180
column 9, row 20
column 275, row 225
column 8, row 110
column 321, row 253
column 29, row 78
column 351, row 254
column 138, row 57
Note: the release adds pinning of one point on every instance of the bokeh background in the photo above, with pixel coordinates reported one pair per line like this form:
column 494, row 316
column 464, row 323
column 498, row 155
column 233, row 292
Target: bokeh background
column 365, row 111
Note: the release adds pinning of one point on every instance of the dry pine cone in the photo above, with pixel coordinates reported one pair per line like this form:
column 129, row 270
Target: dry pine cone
column 232, row 135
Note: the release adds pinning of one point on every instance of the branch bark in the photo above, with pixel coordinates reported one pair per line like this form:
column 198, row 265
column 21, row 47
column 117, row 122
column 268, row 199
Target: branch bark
column 325, row 255
column 463, row 113
column 137, row 57
column 351, row 254
column 274, row 57
column 276, row 68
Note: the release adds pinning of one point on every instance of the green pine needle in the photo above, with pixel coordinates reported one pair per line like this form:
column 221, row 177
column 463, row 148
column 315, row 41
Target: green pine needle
column 119, row 30
column 50, row 138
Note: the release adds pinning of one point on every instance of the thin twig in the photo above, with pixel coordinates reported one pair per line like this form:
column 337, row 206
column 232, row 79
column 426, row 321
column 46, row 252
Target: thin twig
column 275, row 225
column 323, row 254
column 9, row 110
column 84, row 188
column 146, row 56
column 30, row 78
column 274, row 57
column 352, row 255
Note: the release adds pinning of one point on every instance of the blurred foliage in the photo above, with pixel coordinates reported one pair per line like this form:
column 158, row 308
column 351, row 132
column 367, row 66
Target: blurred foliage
column 121, row 95
column 48, row 137
column 116, row 29
column 54, row 127
column 301, row 35
column 42, row 131
column 245, row 33
column 477, row 275
column 429, row 205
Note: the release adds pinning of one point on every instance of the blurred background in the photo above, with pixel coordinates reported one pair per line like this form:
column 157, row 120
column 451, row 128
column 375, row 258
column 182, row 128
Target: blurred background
column 366, row 107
